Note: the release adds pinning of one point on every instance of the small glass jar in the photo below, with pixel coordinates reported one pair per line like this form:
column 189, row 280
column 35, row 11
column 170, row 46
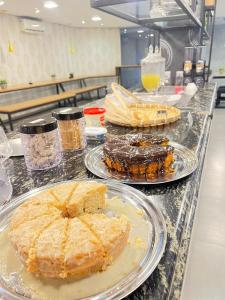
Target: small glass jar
column 71, row 124
column 40, row 139
column 95, row 116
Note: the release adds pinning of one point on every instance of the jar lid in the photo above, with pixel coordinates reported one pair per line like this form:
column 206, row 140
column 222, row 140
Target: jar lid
column 40, row 125
column 94, row 110
column 68, row 113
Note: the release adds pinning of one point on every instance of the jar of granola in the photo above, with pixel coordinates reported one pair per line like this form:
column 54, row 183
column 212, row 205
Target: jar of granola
column 71, row 124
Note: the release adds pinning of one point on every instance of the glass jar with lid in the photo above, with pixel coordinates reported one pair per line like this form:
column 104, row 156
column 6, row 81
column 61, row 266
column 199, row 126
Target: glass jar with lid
column 71, row 125
column 40, row 139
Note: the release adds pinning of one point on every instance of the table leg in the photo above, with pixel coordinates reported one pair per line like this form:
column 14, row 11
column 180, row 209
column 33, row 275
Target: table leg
column 3, row 125
column 10, row 122
column 75, row 100
column 57, row 89
column 62, row 87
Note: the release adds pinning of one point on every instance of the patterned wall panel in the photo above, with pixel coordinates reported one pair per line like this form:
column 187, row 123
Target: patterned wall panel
column 59, row 50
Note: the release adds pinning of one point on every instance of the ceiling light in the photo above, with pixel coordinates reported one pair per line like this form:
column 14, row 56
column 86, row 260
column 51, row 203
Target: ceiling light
column 2, row 2
column 50, row 4
column 151, row 34
column 125, row 30
column 83, row 22
column 146, row 36
column 36, row 25
column 96, row 18
column 37, row 11
column 139, row 35
column 140, row 31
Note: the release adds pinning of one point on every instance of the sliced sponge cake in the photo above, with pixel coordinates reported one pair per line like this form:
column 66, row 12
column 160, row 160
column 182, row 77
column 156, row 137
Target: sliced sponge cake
column 112, row 232
column 84, row 254
column 88, row 197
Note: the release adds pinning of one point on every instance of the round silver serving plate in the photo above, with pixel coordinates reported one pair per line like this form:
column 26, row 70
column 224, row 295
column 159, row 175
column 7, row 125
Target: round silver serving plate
column 185, row 164
column 11, row 287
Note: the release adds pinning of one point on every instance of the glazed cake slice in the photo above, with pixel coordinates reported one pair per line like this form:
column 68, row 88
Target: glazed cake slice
column 139, row 154
column 112, row 232
column 84, row 254
column 88, row 197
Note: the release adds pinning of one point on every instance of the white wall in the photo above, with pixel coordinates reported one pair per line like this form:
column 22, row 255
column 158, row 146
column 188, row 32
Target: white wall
column 36, row 57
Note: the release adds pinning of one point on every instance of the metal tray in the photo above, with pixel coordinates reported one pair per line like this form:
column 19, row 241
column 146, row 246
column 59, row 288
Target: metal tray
column 11, row 288
column 185, row 164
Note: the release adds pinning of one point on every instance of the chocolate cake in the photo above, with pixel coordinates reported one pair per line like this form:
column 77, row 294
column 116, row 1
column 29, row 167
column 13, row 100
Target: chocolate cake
column 139, row 154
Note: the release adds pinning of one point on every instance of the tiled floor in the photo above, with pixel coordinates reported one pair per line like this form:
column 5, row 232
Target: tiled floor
column 205, row 273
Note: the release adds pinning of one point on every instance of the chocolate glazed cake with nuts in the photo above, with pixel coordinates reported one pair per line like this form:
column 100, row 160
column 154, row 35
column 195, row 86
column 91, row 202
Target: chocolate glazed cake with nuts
column 139, row 154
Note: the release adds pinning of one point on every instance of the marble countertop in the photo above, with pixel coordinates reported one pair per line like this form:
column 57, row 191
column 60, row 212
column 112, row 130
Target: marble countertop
column 176, row 200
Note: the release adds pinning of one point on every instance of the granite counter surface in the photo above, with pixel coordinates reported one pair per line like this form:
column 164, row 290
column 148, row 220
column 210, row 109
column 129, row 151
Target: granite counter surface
column 176, row 200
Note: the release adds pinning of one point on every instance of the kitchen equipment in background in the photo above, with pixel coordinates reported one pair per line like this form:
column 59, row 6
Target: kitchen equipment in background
column 194, row 65
column 200, row 67
column 156, row 9
column 71, row 124
column 94, row 116
column 189, row 57
column 209, row 2
column 179, row 78
column 40, row 139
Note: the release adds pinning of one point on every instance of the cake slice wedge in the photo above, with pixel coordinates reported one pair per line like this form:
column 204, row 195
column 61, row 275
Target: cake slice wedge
column 112, row 232
column 31, row 210
column 24, row 236
column 49, row 250
column 84, row 254
column 62, row 193
column 88, row 197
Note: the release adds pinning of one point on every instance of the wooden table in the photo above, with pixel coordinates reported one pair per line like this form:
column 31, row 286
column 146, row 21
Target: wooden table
column 57, row 82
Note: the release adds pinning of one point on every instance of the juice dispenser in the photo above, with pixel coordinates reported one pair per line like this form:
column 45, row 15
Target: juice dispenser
column 152, row 70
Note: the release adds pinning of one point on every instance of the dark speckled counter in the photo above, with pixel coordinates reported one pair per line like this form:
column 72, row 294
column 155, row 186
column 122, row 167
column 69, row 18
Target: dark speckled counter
column 177, row 201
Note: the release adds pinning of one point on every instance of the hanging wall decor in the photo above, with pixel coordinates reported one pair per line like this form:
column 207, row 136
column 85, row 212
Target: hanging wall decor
column 11, row 47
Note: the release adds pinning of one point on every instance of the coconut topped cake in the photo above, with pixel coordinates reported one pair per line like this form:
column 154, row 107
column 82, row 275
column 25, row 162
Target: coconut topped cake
column 63, row 232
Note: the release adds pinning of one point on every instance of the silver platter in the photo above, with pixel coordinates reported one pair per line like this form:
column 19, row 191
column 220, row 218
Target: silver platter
column 11, row 287
column 185, row 164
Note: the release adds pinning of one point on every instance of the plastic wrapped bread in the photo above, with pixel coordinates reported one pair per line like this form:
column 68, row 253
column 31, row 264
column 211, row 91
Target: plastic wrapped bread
column 123, row 108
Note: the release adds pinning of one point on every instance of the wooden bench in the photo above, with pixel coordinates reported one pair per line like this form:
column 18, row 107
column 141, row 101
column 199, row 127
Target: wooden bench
column 29, row 104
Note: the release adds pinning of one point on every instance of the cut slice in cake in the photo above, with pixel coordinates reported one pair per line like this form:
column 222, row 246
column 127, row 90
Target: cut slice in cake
column 84, row 254
column 49, row 250
column 23, row 237
column 31, row 210
column 112, row 232
column 62, row 193
column 88, row 197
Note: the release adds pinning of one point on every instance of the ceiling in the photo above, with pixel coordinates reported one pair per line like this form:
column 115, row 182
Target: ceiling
column 73, row 12
column 69, row 12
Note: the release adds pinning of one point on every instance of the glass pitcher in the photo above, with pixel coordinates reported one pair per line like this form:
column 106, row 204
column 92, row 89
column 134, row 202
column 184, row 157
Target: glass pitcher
column 152, row 70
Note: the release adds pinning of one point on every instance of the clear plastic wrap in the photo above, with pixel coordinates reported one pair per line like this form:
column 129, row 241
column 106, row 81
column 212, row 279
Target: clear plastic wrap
column 123, row 108
column 138, row 154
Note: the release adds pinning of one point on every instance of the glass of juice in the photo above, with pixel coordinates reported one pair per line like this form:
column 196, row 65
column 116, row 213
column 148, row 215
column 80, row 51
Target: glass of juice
column 150, row 82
